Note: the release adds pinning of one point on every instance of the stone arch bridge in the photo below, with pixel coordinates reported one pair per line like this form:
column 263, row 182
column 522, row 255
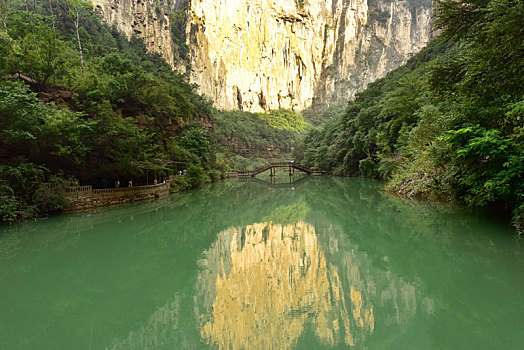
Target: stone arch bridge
column 291, row 165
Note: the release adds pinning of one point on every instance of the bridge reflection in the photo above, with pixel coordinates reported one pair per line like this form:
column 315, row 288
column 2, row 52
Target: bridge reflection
column 291, row 182
column 272, row 167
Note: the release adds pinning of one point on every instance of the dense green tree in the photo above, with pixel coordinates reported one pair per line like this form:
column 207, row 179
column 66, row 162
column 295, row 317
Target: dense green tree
column 284, row 119
column 41, row 55
column 447, row 125
column 128, row 110
column 75, row 12
column 21, row 117
column 4, row 12
column 247, row 140
column 195, row 176
column 197, row 141
column 7, row 48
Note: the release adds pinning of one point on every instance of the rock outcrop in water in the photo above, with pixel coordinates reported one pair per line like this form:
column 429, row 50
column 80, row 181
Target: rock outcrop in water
column 260, row 55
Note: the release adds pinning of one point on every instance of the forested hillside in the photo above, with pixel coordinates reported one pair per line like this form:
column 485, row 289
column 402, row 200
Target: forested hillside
column 81, row 102
column 449, row 125
column 247, row 140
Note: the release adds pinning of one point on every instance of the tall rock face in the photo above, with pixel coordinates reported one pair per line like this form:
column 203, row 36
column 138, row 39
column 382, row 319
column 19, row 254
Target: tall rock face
column 260, row 55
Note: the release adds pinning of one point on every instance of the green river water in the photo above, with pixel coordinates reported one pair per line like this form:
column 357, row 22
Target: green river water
column 323, row 263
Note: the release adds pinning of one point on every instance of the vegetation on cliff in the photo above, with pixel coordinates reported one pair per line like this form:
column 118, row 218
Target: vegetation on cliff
column 81, row 103
column 447, row 125
column 95, row 107
column 248, row 140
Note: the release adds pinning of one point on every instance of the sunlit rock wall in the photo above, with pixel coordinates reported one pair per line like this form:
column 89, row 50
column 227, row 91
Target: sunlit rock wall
column 260, row 55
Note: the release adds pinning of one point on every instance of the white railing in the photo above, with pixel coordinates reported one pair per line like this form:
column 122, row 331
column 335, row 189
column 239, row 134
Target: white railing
column 88, row 190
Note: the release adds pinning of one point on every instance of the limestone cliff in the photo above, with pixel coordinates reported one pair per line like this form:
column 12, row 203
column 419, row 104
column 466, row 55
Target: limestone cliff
column 259, row 55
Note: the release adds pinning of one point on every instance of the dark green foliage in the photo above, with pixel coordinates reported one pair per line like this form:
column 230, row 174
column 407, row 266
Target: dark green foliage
column 64, row 141
column 447, row 125
column 129, row 113
column 490, row 166
column 179, row 154
column 371, row 124
column 115, row 81
column 8, row 204
column 247, row 140
column 7, row 49
column 178, row 21
column 368, row 167
column 179, row 184
column 215, row 175
column 197, row 141
column 40, row 53
column 195, row 176
column 18, row 182
column 317, row 116
column 51, row 199
column 21, row 114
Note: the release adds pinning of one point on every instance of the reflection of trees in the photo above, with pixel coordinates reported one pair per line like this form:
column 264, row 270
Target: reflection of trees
column 260, row 285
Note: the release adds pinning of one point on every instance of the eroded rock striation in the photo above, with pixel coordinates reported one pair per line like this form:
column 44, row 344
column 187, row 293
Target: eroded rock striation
column 260, row 55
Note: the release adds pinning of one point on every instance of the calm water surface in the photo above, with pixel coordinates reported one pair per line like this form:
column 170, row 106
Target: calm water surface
column 324, row 263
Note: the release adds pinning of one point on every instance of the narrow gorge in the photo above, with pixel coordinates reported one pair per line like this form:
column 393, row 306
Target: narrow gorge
column 261, row 174
column 262, row 55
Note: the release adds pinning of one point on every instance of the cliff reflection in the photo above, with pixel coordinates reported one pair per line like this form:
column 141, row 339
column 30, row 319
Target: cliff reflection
column 260, row 286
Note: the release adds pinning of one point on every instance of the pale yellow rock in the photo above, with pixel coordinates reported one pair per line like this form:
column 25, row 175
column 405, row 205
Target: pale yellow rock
column 261, row 55
column 266, row 54
column 261, row 284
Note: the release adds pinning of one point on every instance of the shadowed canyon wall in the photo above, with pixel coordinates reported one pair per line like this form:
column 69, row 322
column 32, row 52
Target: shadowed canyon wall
column 260, row 55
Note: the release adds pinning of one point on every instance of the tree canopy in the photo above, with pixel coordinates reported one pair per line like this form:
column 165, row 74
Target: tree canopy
column 447, row 125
